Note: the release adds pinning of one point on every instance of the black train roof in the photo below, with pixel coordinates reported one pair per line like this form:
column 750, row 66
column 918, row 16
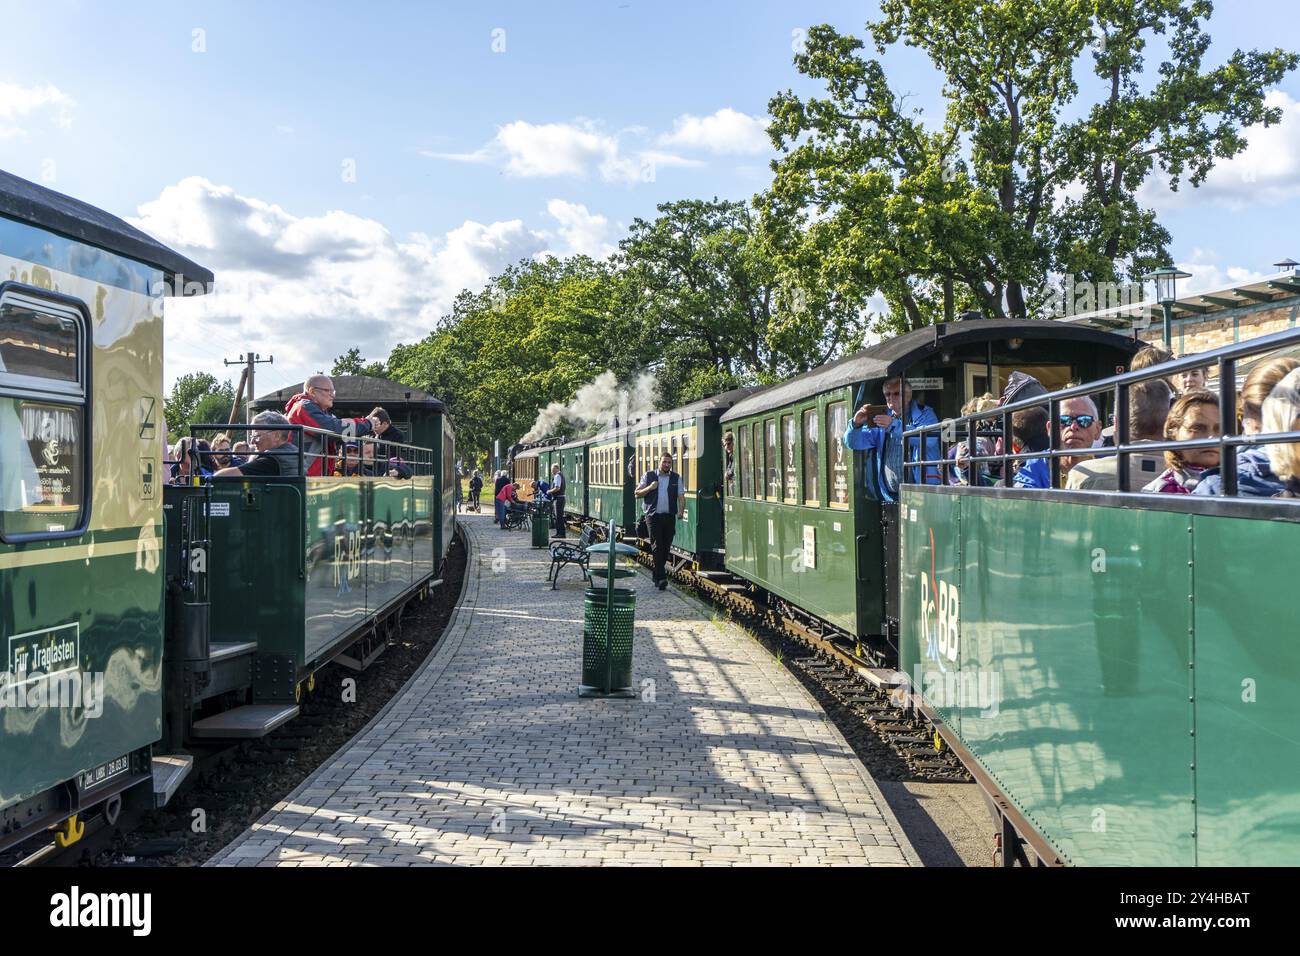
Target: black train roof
column 720, row 402
column 27, row 202
column 360, row 390
column 897, row 355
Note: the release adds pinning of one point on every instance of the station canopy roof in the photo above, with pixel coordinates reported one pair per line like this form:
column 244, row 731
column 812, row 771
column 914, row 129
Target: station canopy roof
column 1280, row 288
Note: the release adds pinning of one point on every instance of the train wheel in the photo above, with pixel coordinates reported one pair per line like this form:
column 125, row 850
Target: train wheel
column 297, row 693
column 72, row 832
column 311, row 683
column 938, row 742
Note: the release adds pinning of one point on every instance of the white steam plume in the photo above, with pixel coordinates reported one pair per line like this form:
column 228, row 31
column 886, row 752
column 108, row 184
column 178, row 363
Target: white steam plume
column 598, row 403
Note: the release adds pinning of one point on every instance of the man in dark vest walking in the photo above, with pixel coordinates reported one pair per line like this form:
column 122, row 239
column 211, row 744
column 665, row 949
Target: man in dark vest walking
column 557, row 498
column 665, row 505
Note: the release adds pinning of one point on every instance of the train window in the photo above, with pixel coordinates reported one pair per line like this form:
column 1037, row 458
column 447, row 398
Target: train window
column 837, row 458
column 677, row 466
column 791, row 449
column 686, row 464
column 44, row 456
column 811, row 459
column 746, row 462
column 772, row 490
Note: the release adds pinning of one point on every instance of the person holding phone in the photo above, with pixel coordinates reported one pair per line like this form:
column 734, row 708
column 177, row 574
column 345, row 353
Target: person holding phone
column 665, row 505
column 881, row 429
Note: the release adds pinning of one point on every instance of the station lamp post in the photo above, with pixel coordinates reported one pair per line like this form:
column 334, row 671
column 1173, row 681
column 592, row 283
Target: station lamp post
column 1165, row 279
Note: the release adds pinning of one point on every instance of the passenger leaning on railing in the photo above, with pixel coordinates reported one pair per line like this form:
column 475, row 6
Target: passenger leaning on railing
column 277, row 455
column 1282, row 414
column 1195, row 415
column 310, row 407
column 1255, row 478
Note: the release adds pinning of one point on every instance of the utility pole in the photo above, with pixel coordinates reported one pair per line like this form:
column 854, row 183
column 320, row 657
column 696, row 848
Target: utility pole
column 248, row 361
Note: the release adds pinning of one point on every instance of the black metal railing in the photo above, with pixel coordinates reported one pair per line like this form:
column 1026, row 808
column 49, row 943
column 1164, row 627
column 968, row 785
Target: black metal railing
column 972, row 427
column 419, row 461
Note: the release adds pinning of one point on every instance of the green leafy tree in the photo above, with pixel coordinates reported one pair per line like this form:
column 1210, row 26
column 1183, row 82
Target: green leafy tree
column 710, row 306
column 198, row 398
column 534, row 335
column 1053, row 123
column 351, row 363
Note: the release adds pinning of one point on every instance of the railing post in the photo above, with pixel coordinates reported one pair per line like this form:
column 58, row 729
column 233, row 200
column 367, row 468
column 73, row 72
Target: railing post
column 1054, row 423
column 1121, row 437
column 1228, row 425
column 1006, row 450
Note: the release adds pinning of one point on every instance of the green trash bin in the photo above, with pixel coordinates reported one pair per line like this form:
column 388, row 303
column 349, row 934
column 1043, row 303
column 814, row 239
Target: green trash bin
column 542, row 524
column 607, row 642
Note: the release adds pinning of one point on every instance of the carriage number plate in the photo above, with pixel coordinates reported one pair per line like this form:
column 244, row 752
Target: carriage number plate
column 105, row 772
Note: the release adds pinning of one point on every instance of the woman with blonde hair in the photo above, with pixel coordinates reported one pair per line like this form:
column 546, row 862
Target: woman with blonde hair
column 1255, row 478
column 1194, row 415
column 1282, row 414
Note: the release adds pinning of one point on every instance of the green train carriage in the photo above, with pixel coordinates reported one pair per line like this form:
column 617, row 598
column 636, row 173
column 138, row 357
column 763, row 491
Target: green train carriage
column 572, row 457
column 81, row 506
column 692, row 435
column 609, row 480
column 1119, row 670
column 803, row 527
column 423, row 419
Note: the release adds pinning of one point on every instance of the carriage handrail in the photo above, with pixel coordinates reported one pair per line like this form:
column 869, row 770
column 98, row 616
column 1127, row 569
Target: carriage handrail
column 424, row 456
column 1225, row 358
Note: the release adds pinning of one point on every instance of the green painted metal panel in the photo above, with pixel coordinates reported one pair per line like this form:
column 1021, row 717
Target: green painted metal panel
column 1247, row 693
column 1073, row 663
column 101, row 616
column 444, row 488
column 256, row 565
column 574, row 462
column 931, row 582
column 390, row 548
column 337, row 521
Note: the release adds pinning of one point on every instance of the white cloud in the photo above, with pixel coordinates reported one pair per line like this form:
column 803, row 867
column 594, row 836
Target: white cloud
column 726, row 131
column 1209, row 275
column 578, row 149
column 1265, row 173
column 583, row 232
column 306, row 288
column 21, row 102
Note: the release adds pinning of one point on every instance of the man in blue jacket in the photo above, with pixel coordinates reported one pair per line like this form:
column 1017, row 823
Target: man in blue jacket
column 883, row 435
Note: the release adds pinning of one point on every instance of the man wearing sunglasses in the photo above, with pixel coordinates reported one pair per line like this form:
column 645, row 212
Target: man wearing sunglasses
column 1080, row 428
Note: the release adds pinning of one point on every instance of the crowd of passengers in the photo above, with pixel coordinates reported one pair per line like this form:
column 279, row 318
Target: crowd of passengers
column 1177, row 408
column 361, row 449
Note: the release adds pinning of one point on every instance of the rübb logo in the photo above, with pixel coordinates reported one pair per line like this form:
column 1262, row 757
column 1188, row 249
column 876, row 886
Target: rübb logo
column 940, row 614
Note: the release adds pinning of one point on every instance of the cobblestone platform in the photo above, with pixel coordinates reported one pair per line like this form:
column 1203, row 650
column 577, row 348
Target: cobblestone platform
column 488, row 756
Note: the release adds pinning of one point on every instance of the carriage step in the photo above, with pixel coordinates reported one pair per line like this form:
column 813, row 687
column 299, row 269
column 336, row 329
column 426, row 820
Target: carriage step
column 251, row 720
column 169, row 770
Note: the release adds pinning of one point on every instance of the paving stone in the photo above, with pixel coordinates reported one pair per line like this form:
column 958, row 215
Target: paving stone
column 489, row 758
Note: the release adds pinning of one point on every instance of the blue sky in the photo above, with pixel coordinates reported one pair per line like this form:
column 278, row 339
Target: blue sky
column 232, row 130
